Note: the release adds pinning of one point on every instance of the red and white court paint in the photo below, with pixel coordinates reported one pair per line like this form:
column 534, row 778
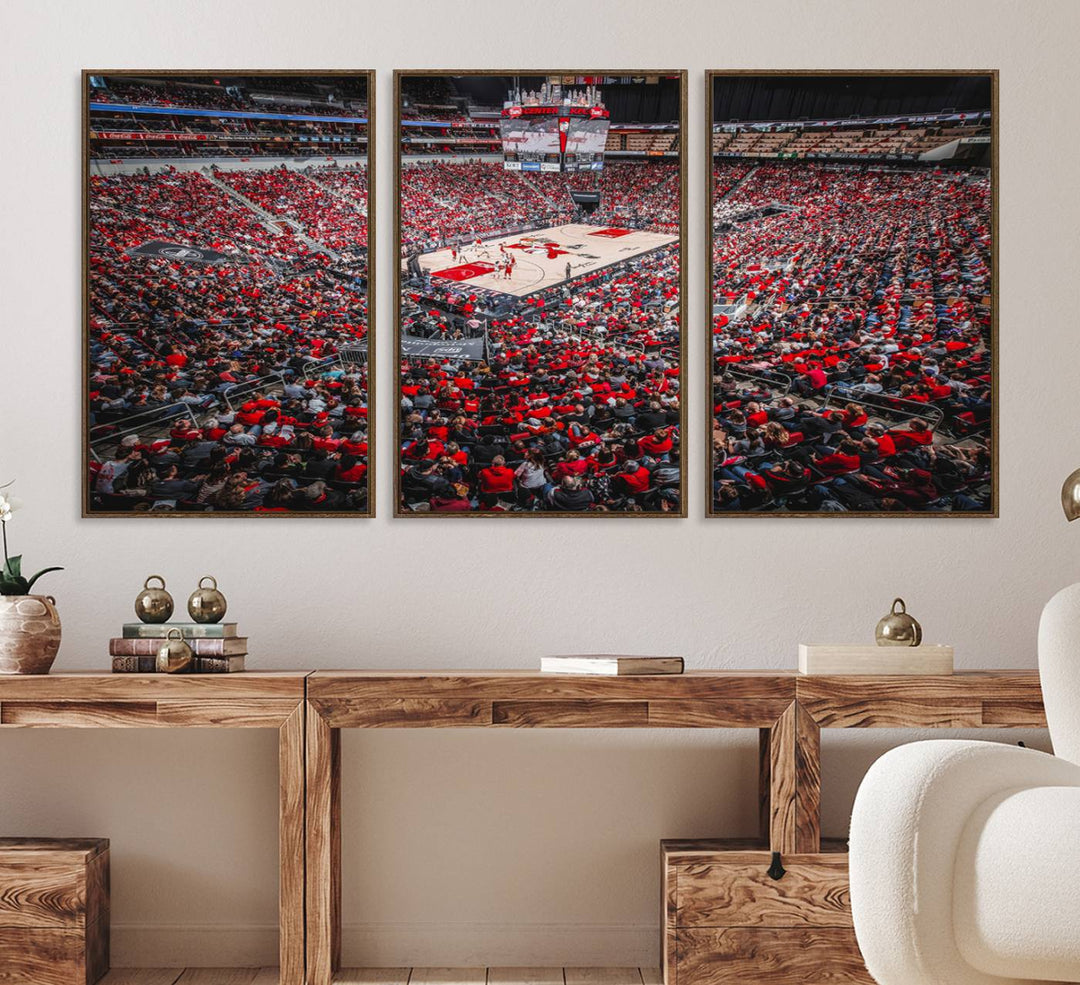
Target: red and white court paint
column 540, row 256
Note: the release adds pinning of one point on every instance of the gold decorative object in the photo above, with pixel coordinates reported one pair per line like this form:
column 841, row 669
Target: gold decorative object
column 1070, row 496
column 174, row 655
column 898, row 628
column 154, row 604
column 29, row 633
column 207, row 604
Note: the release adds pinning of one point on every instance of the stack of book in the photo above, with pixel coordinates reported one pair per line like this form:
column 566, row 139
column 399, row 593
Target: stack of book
column 217, row 648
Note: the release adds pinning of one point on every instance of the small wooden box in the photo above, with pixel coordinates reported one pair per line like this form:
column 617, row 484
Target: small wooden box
column 924, row 660
column 727, row 921
column 54, row 911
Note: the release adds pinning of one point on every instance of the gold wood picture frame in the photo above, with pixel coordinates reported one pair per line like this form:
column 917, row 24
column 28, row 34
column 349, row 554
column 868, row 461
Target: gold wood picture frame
column 464, row 266
column 228, row 293
column 795, row 161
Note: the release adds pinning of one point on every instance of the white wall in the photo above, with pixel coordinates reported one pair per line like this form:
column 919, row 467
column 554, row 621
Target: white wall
column 512, row 847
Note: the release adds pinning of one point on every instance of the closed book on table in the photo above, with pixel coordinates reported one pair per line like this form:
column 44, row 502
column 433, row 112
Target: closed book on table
column 148, row 647
column 219, row 665
column 189, row 630
column 923, row 660
column 201, row 665
column 610, row 664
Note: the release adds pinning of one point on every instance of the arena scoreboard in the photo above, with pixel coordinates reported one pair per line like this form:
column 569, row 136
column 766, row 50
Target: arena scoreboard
column 553, row 137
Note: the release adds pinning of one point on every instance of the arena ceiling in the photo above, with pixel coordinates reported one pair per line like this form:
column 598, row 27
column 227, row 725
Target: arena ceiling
column 756, row 98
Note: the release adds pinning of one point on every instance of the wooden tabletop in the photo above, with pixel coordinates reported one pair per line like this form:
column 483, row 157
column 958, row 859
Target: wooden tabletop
column 971, row 699
column 697, row 699
column 102, row 684
column 97, row 700
column 518, row 698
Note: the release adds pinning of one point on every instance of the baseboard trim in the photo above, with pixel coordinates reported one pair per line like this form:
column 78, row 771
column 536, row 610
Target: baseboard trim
column 485, row 944
column 395, row 945
column 135, row 945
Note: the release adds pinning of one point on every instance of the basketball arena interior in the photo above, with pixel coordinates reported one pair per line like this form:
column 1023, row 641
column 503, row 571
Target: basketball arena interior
column 852, row 322
column 540, row 326
column 227, row 302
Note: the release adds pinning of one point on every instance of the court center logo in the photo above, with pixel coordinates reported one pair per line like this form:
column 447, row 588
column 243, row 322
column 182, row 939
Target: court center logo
column 537, row 248
column 176, row 251
column 181, row 252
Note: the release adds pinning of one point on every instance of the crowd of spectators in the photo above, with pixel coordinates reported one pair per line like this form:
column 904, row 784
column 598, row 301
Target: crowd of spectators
column 439, row 114
column 851, row 338
column 120, row 134
column 316, row 202
column 294, row 96
column 446, row 200
column 551, row 421
column 576, row 406
column 462, row 141
column 220, row 386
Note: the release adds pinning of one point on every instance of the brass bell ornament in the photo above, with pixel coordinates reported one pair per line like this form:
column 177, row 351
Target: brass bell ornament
column 898, row 628
column 153, row 605
column 207, row 604
column 174, row 656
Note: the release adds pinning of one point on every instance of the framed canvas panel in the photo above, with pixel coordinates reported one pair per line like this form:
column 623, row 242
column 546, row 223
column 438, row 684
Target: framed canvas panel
column 853, row 294
column 228, row 332
column 539, row 314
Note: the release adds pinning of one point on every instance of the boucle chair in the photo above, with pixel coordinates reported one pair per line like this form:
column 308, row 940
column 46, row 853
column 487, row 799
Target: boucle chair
column 965, row 856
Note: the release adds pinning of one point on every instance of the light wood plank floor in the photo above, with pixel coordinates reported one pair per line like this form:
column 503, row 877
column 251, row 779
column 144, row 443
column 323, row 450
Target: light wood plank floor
column 191, row 976
column 392, row 976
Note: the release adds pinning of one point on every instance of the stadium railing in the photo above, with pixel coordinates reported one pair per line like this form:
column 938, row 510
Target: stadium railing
column 116, row 430
column 353, row 355
column 770, row 378
column 884, row 404
column 316, row 367
column 243, row 391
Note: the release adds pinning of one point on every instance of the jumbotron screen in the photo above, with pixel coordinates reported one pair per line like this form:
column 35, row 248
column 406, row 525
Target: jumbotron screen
column 586, row 139
column 532, row 140
column 553, row 137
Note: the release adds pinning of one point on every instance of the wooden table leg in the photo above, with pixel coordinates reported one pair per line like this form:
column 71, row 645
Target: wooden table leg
column 808, row 789
column 765, row 792
column 323, row 849
column 792, row 770
column 291, row 848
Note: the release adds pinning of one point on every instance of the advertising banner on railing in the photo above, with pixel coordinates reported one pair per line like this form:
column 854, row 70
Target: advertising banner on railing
column 442, row 348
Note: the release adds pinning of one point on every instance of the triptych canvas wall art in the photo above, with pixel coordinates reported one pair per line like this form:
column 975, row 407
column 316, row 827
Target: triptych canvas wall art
column 851, row 342
column 540, row 320
column 540, row 315
column 228, row 294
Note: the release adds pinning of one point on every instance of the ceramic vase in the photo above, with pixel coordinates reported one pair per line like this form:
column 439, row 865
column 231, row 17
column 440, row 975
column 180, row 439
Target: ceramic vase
column 29, row 633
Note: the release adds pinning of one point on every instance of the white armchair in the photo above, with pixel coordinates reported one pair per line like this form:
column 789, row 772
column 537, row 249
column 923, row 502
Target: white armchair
column 965, row 856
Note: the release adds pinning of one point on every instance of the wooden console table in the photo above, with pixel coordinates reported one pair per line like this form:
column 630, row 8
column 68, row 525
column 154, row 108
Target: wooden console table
column 789, row 710
column 248, row 700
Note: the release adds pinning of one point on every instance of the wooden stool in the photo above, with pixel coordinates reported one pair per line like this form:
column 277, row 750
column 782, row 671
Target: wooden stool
column 54, row 910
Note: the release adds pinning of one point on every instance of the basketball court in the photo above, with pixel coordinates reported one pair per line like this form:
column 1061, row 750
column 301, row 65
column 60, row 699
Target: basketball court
column 540, row 257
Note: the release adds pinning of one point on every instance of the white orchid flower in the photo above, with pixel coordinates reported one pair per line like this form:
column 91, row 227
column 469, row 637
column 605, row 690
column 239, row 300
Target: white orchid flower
column 8, row 504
